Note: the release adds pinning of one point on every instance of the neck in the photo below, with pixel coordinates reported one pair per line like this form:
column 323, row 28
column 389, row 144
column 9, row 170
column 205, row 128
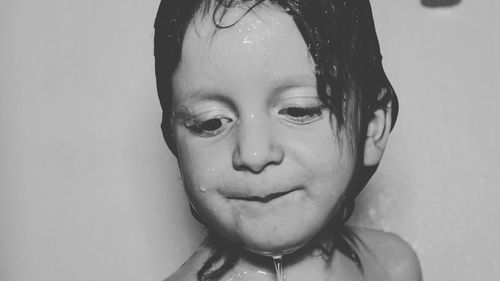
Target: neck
column 304, row 264
column 310, row 262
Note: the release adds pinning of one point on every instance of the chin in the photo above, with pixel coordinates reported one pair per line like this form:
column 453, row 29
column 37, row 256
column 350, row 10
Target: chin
column 268, row 230
column 277, row 241
column 274, row 249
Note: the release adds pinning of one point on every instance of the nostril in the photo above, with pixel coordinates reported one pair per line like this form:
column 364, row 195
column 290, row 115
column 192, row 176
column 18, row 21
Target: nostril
column 247, row 161
column 439, row 3
column 256, row 162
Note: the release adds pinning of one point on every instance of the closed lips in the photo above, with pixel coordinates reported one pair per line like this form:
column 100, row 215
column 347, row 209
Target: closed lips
column 262, row 199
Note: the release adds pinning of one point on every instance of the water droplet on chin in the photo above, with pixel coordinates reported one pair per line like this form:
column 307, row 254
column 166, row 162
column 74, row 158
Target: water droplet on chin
column 261, row 272
column 203, row 188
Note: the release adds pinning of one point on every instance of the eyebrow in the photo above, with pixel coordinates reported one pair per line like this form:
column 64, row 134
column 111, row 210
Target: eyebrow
column 279, row 85
column 282, row 84
column 208, row 93
column 201, row 94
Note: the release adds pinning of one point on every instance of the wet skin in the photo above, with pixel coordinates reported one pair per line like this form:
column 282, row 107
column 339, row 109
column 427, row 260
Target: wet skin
column 384, row 256
column 258, row 153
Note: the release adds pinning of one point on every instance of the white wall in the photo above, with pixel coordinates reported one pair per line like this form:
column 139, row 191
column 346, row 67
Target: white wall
column 437, row 186
column 88, row 190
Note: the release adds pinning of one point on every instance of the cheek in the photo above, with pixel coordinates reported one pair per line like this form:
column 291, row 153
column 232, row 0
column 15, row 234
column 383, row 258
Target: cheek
column 202, row 174
column 199, row 163
column 330, row 164
column 199, row 173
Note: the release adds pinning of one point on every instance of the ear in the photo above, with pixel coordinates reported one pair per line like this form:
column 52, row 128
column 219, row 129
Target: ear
column 377, row 135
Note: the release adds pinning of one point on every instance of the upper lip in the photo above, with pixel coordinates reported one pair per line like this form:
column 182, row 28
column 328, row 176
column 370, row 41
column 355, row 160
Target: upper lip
column 262, row 199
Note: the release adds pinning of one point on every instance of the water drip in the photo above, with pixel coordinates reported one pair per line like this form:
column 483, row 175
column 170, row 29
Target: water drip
column 278, row 266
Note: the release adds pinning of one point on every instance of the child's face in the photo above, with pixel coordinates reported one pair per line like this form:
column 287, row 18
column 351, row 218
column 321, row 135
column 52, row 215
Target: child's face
column 259, row 156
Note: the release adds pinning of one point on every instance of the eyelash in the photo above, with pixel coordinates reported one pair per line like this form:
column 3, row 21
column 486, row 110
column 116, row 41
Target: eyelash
column 214, row 125
column 205, row 127
column 302, row 115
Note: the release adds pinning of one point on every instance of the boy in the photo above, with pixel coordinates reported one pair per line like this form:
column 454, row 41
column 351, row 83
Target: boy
column 278, row 113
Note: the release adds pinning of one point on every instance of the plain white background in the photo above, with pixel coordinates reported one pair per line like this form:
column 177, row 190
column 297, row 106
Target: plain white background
column 89, row 191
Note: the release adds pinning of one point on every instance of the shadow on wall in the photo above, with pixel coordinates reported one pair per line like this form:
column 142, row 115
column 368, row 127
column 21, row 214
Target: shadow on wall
column 440, row 3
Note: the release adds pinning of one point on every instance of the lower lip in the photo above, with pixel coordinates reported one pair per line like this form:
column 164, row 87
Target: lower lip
column 290, row 197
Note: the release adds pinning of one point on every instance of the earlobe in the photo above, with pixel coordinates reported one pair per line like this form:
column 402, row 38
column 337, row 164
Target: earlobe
column 377, row 135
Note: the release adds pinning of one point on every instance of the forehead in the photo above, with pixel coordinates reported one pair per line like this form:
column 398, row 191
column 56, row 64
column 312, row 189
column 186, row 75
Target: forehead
column 262, row 45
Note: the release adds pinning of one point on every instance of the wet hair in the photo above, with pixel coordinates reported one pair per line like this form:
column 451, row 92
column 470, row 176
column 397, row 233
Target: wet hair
column 351, row 82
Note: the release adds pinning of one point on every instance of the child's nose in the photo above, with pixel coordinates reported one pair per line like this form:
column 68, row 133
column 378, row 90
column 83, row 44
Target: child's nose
column 257, row 145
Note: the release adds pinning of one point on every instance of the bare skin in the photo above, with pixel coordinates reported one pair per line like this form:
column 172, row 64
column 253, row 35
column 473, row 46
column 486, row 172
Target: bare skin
column 262, row 162
column 384, row 257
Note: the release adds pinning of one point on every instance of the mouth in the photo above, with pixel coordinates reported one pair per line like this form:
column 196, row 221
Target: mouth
column 262, row 199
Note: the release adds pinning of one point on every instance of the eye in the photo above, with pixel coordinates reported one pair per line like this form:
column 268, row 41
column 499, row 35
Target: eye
column 208, row 127
column 302, row 115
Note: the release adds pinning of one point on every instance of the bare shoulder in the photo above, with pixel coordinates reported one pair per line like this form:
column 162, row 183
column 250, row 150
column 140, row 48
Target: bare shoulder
column 394, row 254
column 189, row 269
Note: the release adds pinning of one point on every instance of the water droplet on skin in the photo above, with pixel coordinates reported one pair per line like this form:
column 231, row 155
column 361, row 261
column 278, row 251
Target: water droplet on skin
column 278, row 266
column 238, row 230
column 261, row 272
column 203, row 188
column 247, row 41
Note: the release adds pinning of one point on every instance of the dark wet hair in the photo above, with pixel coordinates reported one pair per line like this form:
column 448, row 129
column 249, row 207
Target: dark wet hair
column 351, row 82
